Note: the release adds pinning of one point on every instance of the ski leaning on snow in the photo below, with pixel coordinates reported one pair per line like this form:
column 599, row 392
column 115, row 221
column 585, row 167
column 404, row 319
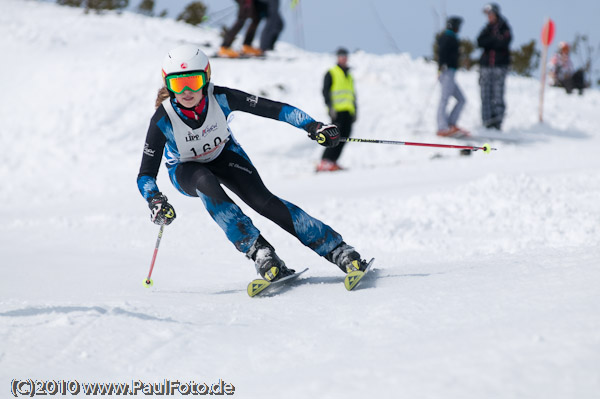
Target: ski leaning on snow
column 353, row 278
column 261, row 285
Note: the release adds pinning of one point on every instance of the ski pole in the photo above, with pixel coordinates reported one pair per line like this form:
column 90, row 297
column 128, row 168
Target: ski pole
column 148, row 281
column 486, row 147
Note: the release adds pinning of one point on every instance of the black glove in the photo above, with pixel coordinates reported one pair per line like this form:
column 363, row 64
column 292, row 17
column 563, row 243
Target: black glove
column 326, row 135
column 162, row 211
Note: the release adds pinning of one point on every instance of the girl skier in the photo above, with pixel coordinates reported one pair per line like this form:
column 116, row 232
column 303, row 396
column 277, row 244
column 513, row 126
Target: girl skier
column 190, row 127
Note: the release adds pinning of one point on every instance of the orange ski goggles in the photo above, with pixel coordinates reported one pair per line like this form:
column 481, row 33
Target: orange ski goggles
column 194, row 81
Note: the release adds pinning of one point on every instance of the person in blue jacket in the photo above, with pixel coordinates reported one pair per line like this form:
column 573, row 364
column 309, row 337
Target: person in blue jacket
column 190, row 127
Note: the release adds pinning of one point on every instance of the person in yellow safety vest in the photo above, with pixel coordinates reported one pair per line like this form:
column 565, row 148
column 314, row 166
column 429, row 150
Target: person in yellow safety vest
column 340, row 98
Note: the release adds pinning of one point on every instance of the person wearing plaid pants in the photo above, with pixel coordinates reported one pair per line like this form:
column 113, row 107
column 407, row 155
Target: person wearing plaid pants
column 495, row 39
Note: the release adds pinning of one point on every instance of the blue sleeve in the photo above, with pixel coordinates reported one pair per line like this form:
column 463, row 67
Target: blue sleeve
column 147, row 186
column 294, row 116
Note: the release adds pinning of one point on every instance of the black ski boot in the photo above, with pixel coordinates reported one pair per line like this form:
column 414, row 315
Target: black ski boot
column 346, row 258
column 266, row 261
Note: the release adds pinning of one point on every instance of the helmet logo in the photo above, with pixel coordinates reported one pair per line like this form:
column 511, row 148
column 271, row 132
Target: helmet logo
column 184, row 65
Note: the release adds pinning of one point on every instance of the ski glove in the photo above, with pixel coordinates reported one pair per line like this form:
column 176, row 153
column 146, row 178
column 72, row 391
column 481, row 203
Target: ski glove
column 326, row 135
column 162, row 211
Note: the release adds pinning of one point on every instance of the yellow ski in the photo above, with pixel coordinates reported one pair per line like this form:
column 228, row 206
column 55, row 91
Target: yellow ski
column 353, row 278
column 259, row 285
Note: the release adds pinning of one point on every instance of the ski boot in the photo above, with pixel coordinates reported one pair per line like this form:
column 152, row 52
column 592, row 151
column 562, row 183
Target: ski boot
column 228, row 52
column 266, row 261
column 251, row 51
column 328, row 166
column 346, row 258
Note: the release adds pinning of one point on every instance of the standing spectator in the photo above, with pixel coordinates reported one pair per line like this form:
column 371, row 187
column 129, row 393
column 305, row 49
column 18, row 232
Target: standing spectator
column 247, row 9
column 273, row 26
column 562, row 73
column 495, row 39
column 447, row 65
column 340, row 98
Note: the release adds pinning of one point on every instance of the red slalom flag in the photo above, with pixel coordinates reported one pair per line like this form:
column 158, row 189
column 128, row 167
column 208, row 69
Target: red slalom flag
column 548, row 32
column 547, row 37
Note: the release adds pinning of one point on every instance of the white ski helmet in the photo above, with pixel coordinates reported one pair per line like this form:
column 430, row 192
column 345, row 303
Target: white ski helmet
column 186, row 58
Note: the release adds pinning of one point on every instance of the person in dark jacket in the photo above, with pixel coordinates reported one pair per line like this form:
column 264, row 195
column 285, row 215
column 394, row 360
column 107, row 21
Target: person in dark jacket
column 273, row 25
column 447, row 64
column 495, row 39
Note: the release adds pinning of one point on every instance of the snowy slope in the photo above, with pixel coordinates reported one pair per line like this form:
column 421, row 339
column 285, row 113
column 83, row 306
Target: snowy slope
column 487, row 266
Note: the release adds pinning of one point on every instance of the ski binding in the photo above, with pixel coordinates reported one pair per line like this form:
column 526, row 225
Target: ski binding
column 353, row 278
column 260, row 285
